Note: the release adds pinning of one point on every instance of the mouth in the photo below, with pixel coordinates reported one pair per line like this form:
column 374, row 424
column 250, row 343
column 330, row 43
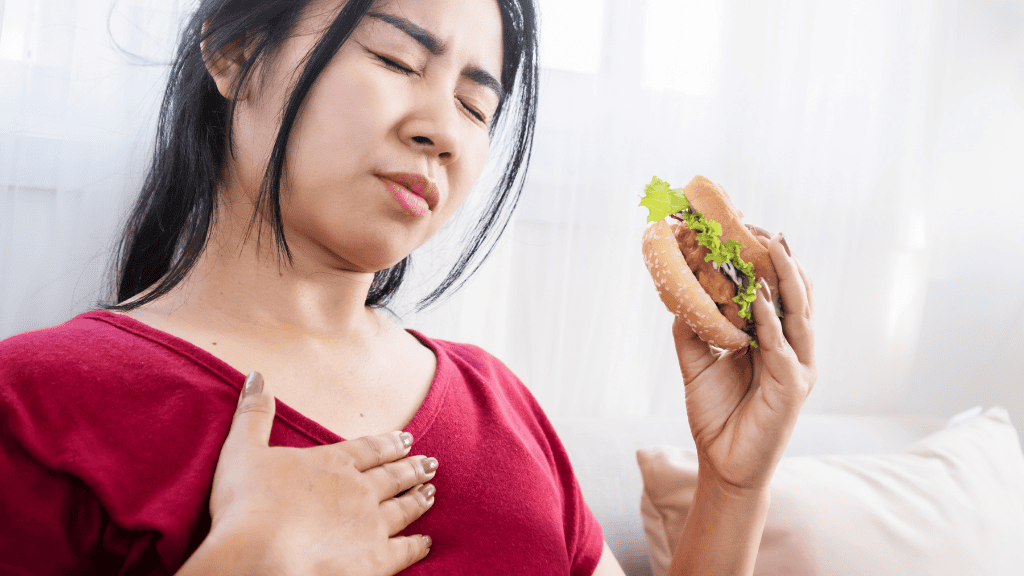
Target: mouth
column 415, row 192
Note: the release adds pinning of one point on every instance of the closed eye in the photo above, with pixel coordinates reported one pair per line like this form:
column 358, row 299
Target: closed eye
column 394, row 65
column 473, row 112
column 389, row 63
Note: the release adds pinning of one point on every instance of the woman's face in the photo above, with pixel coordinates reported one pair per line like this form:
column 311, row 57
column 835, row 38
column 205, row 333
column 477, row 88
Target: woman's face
column 390, row 139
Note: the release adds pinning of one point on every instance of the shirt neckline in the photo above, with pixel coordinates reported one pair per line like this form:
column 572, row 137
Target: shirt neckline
column 418, row 426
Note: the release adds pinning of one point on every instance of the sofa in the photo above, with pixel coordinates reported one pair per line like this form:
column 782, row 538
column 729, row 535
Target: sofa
column 604, row 452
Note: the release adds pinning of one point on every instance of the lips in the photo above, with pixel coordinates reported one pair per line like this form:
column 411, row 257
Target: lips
column 412, row 191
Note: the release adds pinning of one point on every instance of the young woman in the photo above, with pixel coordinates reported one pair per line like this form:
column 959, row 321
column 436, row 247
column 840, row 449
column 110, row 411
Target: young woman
column 305, row 150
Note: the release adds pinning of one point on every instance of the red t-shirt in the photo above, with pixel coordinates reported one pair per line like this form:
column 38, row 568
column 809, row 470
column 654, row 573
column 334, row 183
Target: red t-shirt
column 111, row 432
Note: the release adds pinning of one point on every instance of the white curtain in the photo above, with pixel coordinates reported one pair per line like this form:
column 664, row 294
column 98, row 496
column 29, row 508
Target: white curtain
column 882, row 136
column 80, row 85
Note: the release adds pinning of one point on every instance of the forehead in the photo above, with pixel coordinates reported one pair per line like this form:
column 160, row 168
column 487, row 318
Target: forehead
column 471, row 28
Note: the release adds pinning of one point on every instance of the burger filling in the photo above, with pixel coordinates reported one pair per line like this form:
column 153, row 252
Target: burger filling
column 720, row 282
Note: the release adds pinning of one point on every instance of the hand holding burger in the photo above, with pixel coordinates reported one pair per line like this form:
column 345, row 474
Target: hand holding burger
column 742, row 402
column 742, row 409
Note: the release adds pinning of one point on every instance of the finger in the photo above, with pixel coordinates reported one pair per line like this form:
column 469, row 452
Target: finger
column 807, row 284
column 791, row 284
column 372, row 451
column 694, row 354
column 254, row 416
column 797, row 323
column 776, row 353
column 400, row 511
column 759, row 232
column 406, row 551
column 397, row 477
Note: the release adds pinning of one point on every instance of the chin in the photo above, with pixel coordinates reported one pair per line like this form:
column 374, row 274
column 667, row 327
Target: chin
column 371, row 257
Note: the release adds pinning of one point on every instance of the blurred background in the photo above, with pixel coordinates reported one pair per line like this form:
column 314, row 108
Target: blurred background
column 884, row 137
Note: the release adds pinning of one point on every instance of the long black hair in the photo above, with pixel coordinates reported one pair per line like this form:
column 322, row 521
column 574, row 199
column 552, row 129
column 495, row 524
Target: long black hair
column 170, row 223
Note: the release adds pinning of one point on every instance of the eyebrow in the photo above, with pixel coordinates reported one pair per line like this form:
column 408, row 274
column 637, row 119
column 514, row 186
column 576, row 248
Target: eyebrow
column 436, row 47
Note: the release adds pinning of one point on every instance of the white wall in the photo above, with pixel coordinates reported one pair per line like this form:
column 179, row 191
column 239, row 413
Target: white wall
column 972, row 332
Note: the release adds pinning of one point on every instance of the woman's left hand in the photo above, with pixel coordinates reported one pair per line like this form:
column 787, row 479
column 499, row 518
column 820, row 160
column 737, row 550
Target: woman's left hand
column 742, row 406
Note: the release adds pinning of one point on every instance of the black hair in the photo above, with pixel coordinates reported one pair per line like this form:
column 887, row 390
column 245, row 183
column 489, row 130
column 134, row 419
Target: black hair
column 169, row 225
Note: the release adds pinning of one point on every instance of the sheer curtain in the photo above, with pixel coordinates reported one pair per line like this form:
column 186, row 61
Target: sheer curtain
column 883, row 137
column 80, row 89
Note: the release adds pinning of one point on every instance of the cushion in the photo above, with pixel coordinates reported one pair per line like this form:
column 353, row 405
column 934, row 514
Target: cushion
column 950, row 504
column 603, row 453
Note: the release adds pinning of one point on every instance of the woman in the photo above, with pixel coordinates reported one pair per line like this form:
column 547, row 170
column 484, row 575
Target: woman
column 346, row 133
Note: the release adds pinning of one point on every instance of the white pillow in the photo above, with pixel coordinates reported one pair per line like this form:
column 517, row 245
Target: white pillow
column 951, row 504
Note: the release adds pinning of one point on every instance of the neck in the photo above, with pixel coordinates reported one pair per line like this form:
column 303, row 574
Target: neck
column 237, row 283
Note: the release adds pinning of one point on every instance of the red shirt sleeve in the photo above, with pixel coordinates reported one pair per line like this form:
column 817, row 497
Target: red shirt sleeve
column 36, row 509
column 54, row 524
column 583, row 532
column 95, row 479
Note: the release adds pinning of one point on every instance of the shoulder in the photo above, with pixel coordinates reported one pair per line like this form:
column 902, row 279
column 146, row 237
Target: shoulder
column 48, row 380
column 464, row 356
column 469, row 355
column 95, row 366
column 47, row 369
column 95, row 347
column 99, row 389
column 57, row 348
column 489, row 384
column 472, row 363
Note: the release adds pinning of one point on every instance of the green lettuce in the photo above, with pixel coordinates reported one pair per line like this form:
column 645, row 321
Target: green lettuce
column 662, row 201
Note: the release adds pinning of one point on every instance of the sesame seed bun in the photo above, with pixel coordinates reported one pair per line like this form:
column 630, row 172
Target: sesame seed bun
column 677, row 286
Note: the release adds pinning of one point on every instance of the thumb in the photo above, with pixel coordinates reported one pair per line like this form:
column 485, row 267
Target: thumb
column 694, row 354
column 254, row 415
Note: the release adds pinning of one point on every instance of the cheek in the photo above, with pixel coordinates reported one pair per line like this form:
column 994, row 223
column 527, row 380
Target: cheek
column 252, row 137
column 345, row 121
column 340, row 123
column 466, row 176
column 474, row 156
column 477, row 159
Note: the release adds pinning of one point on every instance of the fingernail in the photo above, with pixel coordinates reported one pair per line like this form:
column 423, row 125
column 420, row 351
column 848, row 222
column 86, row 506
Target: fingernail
column 429, row 465
column 253, row 384
column 782, row 240
column 761, row 231
column 406, row 439
column 766, row 291
column 427, row 541
column 428, row 491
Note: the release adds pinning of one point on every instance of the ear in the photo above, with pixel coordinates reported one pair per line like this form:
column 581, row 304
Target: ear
column 226, row 66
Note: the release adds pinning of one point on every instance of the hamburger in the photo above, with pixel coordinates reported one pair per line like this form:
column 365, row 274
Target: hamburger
column 705, row 262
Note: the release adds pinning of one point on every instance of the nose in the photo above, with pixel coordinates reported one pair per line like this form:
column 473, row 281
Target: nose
column 432, row 129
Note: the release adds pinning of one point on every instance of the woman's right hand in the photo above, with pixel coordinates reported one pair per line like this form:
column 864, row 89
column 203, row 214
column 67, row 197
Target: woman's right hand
column 330, row 509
